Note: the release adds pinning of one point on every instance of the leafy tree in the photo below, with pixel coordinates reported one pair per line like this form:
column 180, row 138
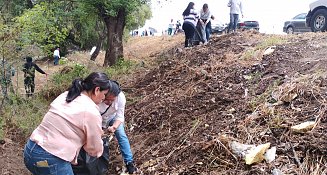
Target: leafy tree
column 84, row 23
column 44, row 26
column 137, row 18
column 114, row 15
column 13, row 8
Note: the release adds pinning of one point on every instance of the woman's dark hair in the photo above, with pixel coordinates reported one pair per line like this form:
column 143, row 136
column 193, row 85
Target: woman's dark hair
column 95, row 79
column 205, row 6
column 115, row 88
column 187, row 11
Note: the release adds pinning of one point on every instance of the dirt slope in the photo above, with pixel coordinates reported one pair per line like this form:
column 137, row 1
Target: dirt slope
column 183, row 113
column 198, row 99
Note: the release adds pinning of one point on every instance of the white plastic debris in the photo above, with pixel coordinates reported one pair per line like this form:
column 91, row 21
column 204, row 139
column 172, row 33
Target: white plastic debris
column 303, row 127
column 269, row 50
column 270, row 154
column 240, row 149
column 256, row 154
column 276, row 172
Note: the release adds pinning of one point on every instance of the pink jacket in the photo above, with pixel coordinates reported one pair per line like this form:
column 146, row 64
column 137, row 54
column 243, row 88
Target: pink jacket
column 69, row 126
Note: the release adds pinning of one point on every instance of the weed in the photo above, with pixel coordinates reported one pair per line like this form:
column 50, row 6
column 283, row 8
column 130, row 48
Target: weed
column 254, row 52
column 248, row 54
column 271, row 41
column 121, row 67
column 26, row 113
column 1, row 128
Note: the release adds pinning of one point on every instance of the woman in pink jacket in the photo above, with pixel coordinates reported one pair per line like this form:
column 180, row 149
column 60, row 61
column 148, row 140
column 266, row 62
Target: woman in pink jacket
column 73, row 121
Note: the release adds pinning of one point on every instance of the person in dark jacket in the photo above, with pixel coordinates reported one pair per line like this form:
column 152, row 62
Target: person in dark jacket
column 29, row 75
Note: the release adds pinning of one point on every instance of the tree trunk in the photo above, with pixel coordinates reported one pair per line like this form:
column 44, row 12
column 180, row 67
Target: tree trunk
column 115, row 29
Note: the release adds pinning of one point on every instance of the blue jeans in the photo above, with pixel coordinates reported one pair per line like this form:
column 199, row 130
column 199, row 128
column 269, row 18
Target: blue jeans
column 208, row 30
column 123, row 142
column 56, row 60
column 40, row 162
column 233, row 22
column 204, row 33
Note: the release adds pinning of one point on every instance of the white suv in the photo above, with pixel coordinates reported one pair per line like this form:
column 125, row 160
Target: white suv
column 317, row 16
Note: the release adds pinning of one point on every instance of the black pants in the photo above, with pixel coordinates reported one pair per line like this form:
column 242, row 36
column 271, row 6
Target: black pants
column 189, row 30
column 29, row 85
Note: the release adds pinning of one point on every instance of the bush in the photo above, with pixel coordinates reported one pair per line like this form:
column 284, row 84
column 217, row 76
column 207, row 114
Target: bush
column 121, row 67
column 61, row 81
column 28, row 113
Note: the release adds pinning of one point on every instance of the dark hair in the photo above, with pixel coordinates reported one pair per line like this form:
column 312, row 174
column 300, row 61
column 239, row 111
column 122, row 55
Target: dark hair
column 95, row 79
column 205, row 6
column 115, row 88
column 28, row 63
column 28, row 59
column 188, row 9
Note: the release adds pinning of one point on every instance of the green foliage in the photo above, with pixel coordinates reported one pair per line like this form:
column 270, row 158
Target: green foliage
column 26, row 113
column 138, row 17
column 271, row 41
column 1, row 127
column 63, row 61
column 121, row 67
column 12, row 8
column 44, row 26
column 86, row 25
column 65, row 79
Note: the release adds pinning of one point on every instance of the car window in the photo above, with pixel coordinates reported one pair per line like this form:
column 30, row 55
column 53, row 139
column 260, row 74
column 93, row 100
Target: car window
column 300, row 16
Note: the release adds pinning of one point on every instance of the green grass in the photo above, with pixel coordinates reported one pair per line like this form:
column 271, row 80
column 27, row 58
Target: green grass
column 270, row 41
column 27, row 113
column 121, row 67
column 1, row 128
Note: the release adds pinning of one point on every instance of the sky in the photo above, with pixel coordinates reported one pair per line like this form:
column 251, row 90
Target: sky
column 271, row 14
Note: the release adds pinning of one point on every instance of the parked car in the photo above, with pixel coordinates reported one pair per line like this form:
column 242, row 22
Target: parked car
column 248, row 24
column 218, row 27
column 296, row 24
column 317, row 16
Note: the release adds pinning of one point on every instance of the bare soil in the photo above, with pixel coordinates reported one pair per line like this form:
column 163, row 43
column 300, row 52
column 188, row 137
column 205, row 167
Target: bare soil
column 183, row 111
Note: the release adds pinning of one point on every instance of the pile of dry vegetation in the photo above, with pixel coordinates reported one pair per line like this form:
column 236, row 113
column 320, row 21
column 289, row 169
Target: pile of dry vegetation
column 199, row 100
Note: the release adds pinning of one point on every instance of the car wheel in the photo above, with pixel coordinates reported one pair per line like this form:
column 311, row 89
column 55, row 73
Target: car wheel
column 290, row 30
column 318, row 21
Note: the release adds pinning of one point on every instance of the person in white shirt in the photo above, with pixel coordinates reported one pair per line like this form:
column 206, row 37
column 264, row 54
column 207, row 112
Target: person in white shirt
column 236, row 9
column 171, row 27
column 205, row 18
column 56, row 56
column 112, row 111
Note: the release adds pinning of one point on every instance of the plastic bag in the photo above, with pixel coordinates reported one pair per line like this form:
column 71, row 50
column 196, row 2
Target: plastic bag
column 88, row 165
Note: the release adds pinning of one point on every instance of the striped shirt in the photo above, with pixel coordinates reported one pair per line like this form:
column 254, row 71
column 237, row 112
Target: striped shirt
column 192, row 17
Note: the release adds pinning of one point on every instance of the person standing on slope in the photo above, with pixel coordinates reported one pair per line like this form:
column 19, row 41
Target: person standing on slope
column 29, row 75
column 189, row 26
column 236, row 9
column 112, row 111
column 72, row 122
